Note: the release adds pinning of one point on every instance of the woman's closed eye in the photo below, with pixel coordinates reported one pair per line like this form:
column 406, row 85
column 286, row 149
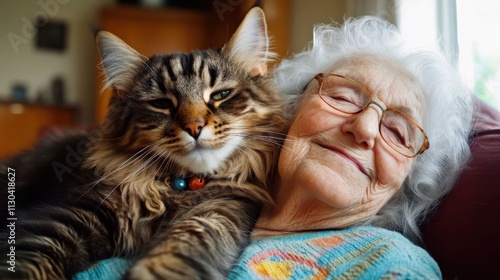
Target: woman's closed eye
column 398, row 134
column 342, row 95
column 343, row 98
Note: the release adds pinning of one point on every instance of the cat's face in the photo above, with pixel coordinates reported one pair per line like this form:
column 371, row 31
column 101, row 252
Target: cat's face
column 195, row 109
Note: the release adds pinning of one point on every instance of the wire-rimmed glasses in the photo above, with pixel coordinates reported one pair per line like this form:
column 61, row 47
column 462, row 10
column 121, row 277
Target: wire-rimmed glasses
column 399, row 131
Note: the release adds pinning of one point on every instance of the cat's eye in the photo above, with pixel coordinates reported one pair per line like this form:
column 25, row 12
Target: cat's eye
column 161, row 103
column 219, row 95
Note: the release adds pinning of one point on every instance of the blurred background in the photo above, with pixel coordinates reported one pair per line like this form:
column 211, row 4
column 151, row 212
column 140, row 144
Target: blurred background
column 49, row 77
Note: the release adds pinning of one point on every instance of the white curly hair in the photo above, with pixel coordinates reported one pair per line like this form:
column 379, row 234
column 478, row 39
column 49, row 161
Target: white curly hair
column 447, row 121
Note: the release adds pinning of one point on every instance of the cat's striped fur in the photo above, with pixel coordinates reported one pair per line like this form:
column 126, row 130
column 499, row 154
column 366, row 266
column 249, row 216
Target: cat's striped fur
column 211, row 113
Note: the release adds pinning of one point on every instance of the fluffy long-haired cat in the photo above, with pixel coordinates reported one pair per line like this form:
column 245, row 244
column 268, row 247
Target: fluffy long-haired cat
column 174, row 178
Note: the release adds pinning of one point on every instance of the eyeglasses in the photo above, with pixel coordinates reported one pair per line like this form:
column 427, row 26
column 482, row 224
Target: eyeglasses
column 398, row 130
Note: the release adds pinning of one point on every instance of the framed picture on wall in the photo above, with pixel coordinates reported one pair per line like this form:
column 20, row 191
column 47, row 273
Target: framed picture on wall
column 51, row 36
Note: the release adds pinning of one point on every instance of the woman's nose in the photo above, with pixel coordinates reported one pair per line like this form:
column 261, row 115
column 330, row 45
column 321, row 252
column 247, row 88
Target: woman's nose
column 364, row 126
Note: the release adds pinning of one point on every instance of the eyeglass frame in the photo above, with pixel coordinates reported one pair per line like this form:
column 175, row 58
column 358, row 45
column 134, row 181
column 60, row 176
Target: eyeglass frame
column 320, row 77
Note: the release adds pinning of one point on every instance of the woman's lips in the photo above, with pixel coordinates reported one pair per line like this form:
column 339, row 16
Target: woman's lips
column 347, row 156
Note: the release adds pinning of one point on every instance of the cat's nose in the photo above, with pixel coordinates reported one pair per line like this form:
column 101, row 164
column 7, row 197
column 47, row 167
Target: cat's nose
column 194, row 128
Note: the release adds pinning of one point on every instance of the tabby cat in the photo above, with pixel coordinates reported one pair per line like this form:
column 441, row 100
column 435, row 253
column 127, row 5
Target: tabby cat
column 175, row 176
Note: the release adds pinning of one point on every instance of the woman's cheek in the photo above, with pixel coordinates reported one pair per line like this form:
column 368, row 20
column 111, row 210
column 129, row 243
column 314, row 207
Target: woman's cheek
column 311, row 120
column 393, row 171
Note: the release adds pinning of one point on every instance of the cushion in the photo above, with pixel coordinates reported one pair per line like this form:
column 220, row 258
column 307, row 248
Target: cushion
column 464, row 233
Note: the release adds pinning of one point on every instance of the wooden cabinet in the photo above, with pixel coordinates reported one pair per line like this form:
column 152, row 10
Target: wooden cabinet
column 169, row 30
column 21, row 124
column 278, row 18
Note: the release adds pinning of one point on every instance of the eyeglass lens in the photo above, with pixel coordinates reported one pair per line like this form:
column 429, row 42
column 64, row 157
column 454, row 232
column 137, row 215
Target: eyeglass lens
column 397, row 129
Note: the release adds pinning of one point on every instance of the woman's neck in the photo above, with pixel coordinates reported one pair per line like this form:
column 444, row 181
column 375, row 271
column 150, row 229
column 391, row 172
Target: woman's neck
column 296, row 211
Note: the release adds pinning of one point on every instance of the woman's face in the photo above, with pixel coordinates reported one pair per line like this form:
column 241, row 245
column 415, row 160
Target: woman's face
column 341, row 160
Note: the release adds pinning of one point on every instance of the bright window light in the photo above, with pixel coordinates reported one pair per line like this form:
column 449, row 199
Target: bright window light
column 417, row 21
column 476, row 45
column 479, row 47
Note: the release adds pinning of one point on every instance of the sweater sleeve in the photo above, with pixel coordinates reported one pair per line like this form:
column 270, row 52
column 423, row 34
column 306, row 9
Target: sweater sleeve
column 354, row 253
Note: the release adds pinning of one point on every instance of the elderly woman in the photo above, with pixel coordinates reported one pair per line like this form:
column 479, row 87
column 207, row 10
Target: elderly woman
column 377, row 137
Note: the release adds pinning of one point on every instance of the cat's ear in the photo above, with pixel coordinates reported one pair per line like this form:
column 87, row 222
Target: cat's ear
column 119, row 60
column 250, row 43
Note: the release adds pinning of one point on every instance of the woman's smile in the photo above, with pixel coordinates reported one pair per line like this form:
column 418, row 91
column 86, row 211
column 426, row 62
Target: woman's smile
column 346, row 156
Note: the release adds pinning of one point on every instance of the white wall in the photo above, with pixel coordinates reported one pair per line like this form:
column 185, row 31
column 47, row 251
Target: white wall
column 21, row 62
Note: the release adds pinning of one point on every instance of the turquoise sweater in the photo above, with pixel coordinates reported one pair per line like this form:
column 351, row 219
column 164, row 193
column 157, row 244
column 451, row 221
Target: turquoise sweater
column 354, row 253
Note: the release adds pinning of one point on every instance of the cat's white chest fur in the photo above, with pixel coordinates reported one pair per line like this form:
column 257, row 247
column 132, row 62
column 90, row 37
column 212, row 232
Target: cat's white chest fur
column 201, row 156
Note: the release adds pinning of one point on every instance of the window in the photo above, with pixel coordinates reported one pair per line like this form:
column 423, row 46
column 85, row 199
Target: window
column 467, row 31
column 479, row 45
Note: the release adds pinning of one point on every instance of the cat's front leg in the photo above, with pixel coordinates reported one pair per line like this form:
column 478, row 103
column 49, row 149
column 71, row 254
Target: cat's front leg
column 204, row 244
column 58, row 242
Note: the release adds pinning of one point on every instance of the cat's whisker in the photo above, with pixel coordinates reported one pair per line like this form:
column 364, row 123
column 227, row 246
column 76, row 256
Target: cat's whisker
column 145, row 165
column 263, row 132
column 266, row 126
column 278, row 141
column 113, row 138
column 276, row 134
column 136, row 157
column 266, row 138
column 165, row 154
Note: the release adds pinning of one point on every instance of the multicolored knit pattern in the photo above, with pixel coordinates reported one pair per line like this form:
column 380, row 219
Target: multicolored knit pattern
column 355, row 253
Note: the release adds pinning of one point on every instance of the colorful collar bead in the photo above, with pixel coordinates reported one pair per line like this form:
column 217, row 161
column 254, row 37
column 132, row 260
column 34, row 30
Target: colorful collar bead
column 192, row 183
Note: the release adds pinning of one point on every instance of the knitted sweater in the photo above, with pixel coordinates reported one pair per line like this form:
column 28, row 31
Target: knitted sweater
column 354, row 253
